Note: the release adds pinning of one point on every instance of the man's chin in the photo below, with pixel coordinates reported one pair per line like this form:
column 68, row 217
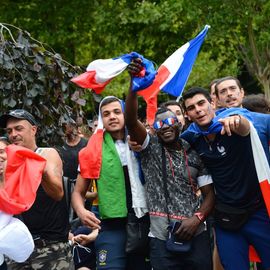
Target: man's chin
column 114, row 129
column 18, row 143
column 232, row 105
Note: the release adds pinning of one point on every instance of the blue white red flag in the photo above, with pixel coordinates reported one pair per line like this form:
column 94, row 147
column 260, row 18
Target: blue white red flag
column 173, row 74
column 100, row 72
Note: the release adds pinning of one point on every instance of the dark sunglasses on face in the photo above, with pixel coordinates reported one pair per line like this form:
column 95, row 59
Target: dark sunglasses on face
column 170, row 121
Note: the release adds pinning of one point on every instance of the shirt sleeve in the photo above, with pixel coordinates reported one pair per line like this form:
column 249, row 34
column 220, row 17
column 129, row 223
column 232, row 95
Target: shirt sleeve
column 146, row 142
column 204, row 180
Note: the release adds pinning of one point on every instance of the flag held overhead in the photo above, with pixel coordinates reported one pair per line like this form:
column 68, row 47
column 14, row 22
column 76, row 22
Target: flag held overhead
column 100, row 72
column 173, row 74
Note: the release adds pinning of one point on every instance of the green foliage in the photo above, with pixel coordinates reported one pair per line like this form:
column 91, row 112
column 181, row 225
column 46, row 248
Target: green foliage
column 37, row 80
column 82, row 31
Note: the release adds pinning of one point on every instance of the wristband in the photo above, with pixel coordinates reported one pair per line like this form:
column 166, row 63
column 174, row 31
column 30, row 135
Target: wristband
column 200, row 216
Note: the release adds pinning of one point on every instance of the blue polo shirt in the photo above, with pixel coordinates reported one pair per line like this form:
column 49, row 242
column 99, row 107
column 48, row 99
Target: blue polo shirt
column 229, row 160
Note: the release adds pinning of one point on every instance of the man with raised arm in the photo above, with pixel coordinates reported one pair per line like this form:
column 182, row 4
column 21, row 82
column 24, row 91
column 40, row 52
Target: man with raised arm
column 172, row 199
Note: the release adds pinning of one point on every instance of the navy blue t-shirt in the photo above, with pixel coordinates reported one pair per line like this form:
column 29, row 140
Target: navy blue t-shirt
column 229, row 160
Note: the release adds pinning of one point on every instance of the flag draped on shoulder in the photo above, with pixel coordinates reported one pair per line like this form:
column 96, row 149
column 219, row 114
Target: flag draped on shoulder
column 90, row 157
column 173, row 74
column 22, row 179
column 260, row 160
column 100, row 72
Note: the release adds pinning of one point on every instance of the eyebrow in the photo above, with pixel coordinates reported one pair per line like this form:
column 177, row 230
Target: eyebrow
column 7, row 128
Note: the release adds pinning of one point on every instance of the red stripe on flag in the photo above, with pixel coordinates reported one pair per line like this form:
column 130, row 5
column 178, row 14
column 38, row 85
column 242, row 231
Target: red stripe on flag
column 253, row 256
column 90, row 157
column 150, row 93
column 88, row 80
column 265, row 189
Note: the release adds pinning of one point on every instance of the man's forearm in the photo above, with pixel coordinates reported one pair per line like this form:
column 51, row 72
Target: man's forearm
column 131, row 109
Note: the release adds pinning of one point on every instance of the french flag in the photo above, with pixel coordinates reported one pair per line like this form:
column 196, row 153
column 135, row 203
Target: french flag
column 263, row 173
column 100, row 72
column 173, row 74
column 22, row 178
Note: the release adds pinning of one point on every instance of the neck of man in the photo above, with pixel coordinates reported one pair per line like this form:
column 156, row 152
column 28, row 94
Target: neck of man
column 73, row 141
column 173, row 145
column 32, row 147
column 118, row 135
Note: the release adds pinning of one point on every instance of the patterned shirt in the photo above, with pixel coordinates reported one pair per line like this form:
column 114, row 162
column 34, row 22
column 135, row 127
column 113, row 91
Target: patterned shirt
column 182, row 183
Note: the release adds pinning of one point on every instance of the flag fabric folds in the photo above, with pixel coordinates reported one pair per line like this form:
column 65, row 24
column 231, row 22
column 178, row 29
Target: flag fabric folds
column 22, row 179
column 173, row 74
column 100, row 72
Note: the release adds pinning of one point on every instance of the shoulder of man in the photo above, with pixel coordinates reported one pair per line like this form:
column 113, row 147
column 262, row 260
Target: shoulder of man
column 47, row 151
column 189, row 137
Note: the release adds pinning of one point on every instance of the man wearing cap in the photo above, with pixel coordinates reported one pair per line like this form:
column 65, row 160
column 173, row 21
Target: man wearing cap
column 47, row 219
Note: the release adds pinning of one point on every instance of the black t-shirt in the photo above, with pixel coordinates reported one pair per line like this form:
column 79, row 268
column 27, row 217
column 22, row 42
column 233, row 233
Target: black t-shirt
column 47, row 218
column 69, row 155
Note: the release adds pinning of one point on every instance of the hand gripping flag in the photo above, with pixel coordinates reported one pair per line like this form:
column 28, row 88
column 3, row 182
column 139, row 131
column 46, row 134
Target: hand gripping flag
column 100, row 72
column 22, row 179
column 173, row 74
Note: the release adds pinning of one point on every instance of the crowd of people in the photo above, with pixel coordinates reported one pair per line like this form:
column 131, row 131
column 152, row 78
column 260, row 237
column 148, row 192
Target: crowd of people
column 183, row 193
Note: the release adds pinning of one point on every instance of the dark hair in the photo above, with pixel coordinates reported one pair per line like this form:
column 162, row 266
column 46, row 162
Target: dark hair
column 213, row 82
column 4, row 140
column 226, row 79
column 256, row 103
column 172, row 103
column 190, row 93
column 95, row 118
column 108, row 100
column 162, row 110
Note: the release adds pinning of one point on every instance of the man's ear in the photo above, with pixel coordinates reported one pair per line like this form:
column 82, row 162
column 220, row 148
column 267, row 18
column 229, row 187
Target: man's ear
column 186, row 116
column 34, row 129
column 213, row 105
column 242, row 92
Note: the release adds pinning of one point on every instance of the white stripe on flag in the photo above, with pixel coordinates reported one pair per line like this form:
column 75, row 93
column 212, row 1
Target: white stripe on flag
column 107, row 69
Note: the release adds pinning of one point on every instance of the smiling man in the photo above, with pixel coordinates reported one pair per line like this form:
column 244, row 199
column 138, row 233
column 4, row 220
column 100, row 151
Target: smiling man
column 172, row 199
column 116, row 193
column 224, row 144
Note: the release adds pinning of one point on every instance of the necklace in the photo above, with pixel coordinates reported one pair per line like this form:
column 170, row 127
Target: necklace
column 209, row 142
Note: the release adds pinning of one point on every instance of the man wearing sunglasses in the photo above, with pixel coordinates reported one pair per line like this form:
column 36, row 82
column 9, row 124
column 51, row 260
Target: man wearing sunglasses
column 173, row 174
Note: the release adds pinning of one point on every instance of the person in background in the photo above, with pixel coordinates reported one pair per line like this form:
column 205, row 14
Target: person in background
column 83, row 248
column 230, row 94
column 177, row 109
column 213, row 95
column 256, row 103
column 47, row 219
column 69, row 152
